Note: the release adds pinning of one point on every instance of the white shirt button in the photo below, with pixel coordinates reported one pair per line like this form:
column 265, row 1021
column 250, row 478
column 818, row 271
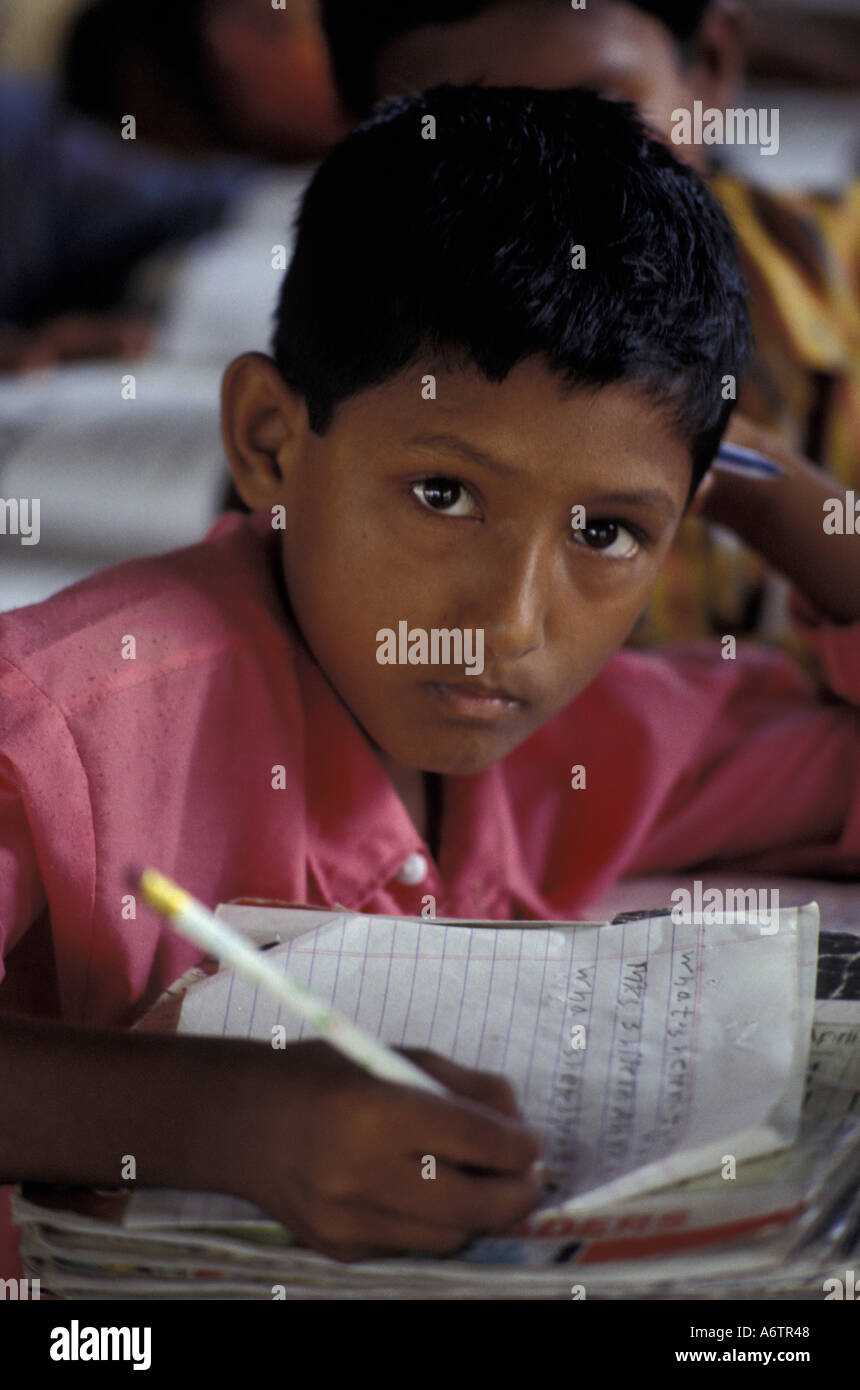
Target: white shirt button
column 413, row 869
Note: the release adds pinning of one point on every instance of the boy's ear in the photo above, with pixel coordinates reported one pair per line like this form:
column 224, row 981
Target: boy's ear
column 264, row 424
column 716, row 63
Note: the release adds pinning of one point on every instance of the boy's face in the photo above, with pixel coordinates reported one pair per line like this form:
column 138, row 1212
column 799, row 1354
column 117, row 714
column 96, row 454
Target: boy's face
column 614, row 48
column 456, row 513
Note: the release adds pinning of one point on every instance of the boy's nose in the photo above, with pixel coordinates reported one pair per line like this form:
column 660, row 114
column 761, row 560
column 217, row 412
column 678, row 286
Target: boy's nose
column 509, row 601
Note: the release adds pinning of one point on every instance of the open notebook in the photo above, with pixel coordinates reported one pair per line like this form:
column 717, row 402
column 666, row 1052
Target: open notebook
column 646, row 1051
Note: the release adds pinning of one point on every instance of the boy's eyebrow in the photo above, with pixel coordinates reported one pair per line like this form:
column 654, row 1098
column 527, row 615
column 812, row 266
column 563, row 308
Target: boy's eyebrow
column 459, row 446
column 647, row 496
column 654, row 497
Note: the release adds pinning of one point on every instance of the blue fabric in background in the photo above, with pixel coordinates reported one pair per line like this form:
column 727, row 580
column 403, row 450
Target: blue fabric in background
column 80, row 206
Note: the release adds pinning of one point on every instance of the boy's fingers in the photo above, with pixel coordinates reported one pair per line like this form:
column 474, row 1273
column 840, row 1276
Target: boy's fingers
column 406, row 1207
column 479, row 1127
column 485, row 1087
column 750, row 435
column 436, row 1215
column 379, row 1233
column 370, row 1233
column 462, row 1133
column 459, row 1201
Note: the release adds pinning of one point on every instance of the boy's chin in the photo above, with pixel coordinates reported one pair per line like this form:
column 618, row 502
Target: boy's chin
column 464, row 756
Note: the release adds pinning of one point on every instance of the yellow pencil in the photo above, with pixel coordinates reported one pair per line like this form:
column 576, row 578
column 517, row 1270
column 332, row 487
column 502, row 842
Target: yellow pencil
column 201, row 926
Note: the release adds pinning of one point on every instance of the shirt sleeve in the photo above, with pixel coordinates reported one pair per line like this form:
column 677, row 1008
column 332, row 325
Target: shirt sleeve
column 47, row 854
column 774, row 782
column 22, row 896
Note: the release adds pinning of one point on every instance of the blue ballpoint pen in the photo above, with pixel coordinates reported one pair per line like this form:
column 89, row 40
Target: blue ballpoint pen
column 733, row 458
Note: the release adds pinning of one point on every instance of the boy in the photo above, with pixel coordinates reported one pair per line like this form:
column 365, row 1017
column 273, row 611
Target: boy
column 466, row 429
column 799, row 254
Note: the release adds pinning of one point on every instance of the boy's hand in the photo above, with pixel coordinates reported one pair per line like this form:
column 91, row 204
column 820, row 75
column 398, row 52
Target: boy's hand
column 336, row 1155
column 782, row 518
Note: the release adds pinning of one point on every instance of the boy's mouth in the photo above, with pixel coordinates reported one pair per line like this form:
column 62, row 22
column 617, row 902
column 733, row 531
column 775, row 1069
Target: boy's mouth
column 474, row 701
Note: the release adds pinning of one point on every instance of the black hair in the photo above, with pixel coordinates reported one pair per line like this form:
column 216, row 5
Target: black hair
column 459, row 248
column 358, row 32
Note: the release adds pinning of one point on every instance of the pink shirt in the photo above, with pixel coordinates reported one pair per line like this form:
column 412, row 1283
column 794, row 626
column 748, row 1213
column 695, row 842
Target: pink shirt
column 167, row 759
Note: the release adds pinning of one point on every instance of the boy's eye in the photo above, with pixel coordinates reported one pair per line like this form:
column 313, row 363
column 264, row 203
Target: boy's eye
column 444, row 495
column 609, row 537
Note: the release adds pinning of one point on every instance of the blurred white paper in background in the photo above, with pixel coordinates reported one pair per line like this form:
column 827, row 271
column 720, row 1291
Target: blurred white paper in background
column 116, row 475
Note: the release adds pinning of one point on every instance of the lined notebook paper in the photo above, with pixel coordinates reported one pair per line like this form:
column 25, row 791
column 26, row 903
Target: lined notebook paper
column 645, row 1051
